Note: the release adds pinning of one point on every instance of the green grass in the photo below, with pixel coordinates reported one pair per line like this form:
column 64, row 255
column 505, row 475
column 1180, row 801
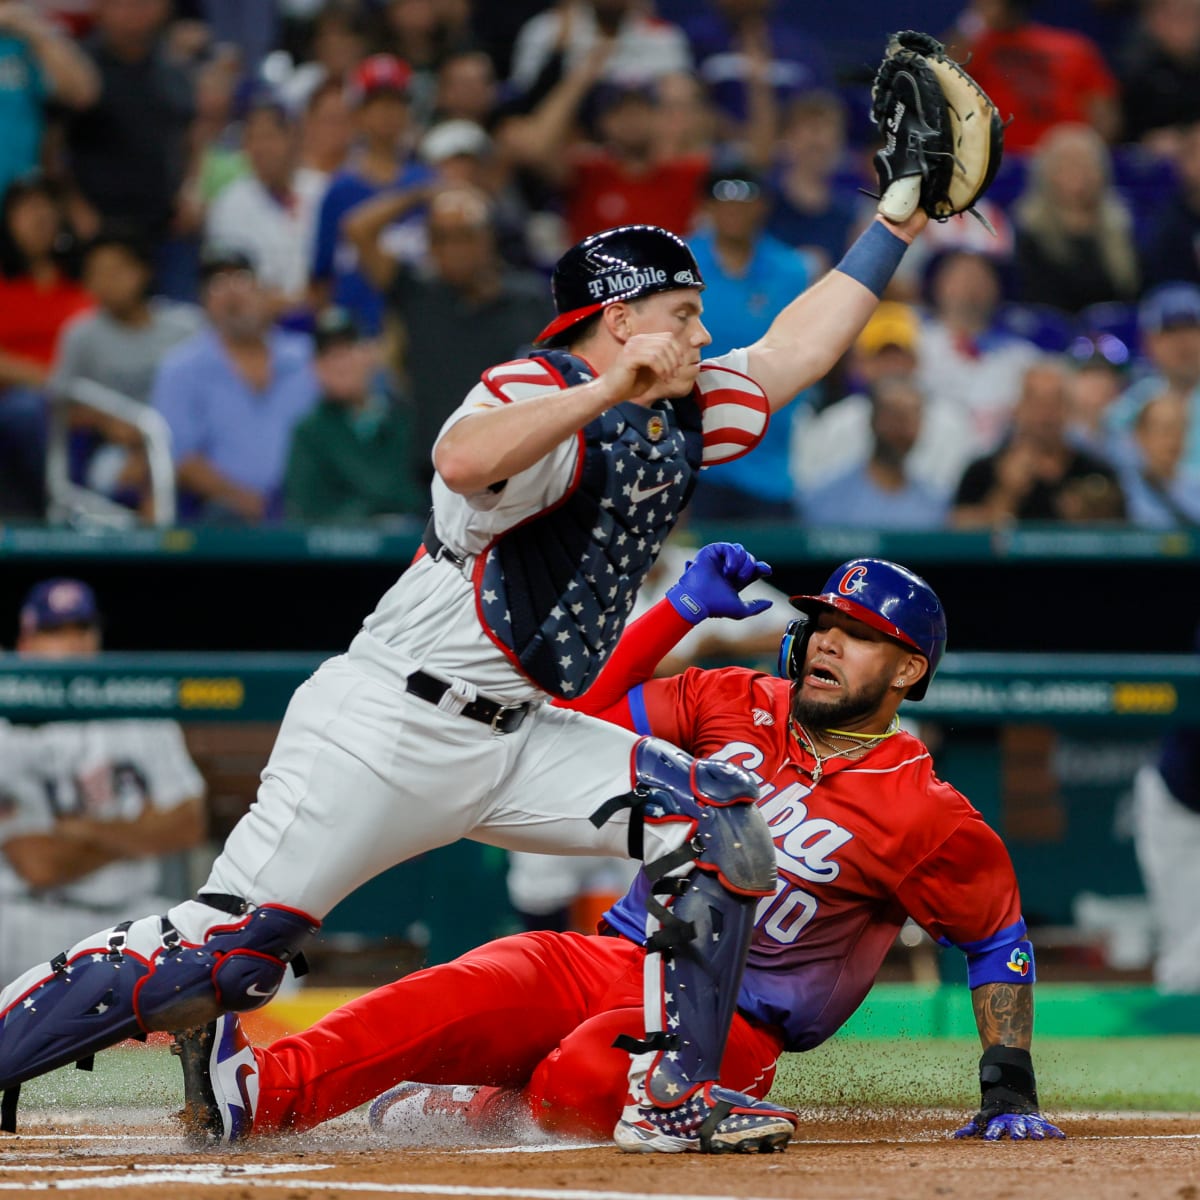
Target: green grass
column 1136, row 1074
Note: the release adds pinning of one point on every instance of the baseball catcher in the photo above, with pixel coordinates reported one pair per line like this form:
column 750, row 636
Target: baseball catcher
column 943, row 138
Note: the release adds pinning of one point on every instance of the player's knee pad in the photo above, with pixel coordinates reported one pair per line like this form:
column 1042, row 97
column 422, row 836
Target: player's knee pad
column 141, row 976
column 738, row 848
column 709, row 807
column 238, row 967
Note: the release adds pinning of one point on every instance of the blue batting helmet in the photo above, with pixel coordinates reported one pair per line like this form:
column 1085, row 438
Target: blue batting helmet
column 882, row 594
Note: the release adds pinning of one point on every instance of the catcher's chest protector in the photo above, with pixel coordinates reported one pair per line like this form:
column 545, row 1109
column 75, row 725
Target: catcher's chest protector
column 554, row 593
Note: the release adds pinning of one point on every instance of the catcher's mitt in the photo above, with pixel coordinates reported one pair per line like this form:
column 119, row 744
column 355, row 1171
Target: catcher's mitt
column 943, row 138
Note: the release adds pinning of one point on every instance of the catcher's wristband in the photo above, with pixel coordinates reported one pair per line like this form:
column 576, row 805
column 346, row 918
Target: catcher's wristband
column 874, row 257
column 1006, row 1079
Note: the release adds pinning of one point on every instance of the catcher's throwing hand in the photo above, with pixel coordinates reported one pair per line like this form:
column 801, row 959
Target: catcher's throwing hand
column 943, row 138
column 651, row 366
column 1015, row 1125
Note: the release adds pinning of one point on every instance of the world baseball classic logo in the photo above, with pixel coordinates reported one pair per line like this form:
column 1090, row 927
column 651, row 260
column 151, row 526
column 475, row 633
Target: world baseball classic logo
column 1018, row 962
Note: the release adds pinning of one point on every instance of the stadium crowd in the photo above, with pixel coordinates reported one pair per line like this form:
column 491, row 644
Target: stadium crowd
column 297, row 231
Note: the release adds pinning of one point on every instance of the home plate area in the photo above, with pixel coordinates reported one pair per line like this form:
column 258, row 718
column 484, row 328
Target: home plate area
column 889, row 1156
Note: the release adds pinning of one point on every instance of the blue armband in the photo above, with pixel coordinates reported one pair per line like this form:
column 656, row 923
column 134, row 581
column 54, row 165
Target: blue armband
column 1005, row 957
column 874, row 257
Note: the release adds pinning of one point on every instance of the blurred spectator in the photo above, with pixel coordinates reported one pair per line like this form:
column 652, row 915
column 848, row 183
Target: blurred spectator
column 749, row 276
column 119, row 346
column 327, row 131
column 460, row 153
column 966, row 234
column 232, row 395
column 829, row 442
column 730, row 37
column 643, row 47
column 686, row 119
column 252, row 28
column 466, row 313
column 262, row 212
column 1074, row 233
column 1096, row 383
column 37, row 64
column 1160, row 491
column 1160, row 85
column 338, row 40
column 379, row 92
column 969, row 363
column 1172, row 249
column 879, row 493
column 129, row 150
column 816, row 196
column 326, row 136
column 627, row 174
column 1166, row 836
column 1169, row 324
column 37, row 295
column 349, row 456
column 421, row 33
column 216, row 152
column 37, row 298
column 1040, row 75
column 1036, row 474
column 88, row 809
column 466, row 88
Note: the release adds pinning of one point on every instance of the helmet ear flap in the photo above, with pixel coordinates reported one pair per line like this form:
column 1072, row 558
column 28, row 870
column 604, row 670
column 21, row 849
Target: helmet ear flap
column 793, row 646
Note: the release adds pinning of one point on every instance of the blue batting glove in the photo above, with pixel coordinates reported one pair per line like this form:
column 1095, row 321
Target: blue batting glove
column 1016, row 1126
column 710, row 584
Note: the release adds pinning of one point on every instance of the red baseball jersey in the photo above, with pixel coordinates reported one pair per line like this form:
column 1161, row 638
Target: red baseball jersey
column 875, row 840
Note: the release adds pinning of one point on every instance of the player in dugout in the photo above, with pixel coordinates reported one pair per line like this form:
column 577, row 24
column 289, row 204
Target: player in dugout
column 557, row 481
column 519, row 1033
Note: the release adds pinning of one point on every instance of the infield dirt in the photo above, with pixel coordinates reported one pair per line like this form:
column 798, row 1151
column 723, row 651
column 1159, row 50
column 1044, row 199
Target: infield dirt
column 880, row 1157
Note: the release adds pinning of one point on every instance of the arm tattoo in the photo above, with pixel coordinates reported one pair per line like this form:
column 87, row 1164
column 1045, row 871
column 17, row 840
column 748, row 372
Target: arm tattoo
column 1004, row 1014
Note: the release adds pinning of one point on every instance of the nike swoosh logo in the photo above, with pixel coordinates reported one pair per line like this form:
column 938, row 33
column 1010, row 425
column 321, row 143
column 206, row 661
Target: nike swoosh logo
column 639, row 493
column 255, row 990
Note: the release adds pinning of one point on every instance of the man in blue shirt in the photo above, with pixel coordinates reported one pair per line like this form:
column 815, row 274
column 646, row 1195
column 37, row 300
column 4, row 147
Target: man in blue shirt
column 749, row 275
column 878, row 493
column 37, row 64
column 232, row 395
column 380, row 89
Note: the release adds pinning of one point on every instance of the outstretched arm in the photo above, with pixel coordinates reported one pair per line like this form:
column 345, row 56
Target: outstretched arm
column 809, row 336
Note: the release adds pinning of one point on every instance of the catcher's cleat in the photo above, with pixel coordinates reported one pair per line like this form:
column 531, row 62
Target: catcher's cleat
column 710, row 1120
column 446, row 1113
column 220, row 1081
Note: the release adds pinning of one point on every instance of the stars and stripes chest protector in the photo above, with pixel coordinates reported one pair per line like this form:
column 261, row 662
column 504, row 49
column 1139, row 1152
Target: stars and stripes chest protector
column 554, row 592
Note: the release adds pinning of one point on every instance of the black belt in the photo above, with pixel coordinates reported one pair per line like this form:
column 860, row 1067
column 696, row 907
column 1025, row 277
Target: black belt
column 503, row 718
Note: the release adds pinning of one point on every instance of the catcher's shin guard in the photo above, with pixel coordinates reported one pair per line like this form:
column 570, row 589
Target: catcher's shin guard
column 700, row 914
column 140, row 976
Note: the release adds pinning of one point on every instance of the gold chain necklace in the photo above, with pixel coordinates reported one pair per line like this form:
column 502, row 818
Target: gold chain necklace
column 861, row 742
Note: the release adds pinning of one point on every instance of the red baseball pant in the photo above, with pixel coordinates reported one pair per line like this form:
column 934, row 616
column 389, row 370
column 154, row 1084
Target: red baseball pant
column 537, row 1012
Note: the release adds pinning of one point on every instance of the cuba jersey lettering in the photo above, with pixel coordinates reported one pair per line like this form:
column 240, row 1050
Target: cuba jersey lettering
column 873, row 842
